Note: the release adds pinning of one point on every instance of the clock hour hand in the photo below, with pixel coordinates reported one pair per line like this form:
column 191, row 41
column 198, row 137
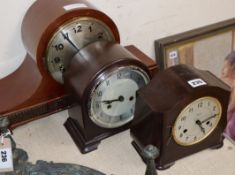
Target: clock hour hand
column 66, row 37
column 120, row 99
column 199, row 123
column 209, row 118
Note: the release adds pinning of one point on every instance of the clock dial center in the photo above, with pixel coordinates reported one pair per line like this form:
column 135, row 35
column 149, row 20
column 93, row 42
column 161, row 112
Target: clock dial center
column 119, row 99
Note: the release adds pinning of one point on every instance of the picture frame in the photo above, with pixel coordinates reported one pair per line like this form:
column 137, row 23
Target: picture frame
column 205, row 47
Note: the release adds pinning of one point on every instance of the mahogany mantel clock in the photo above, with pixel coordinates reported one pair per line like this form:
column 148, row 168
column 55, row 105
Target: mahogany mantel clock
column 181, row 111
column 52, row 33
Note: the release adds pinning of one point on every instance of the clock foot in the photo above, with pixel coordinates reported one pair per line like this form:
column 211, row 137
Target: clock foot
column 76, row 134
column 220, row 145
column 164, row 167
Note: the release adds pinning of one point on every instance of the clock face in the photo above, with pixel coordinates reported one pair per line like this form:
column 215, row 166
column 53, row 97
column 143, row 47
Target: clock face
column 197, row 121
column 112, row 101
column 69, row 39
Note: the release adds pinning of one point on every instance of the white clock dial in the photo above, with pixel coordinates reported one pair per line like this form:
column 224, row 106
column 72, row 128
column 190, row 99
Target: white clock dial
column 112, row 101
column 69, row 39
column 196, row 121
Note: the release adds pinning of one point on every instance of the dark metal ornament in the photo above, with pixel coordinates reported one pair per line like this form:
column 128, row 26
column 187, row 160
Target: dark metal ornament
column 50, row 168
column 23, row 167
column 45, row 168
column 150, row 153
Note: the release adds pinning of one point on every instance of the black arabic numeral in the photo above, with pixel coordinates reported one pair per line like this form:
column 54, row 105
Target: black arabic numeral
column 191, row 110
column 77, row 29
column 107, row 83
column 132, row 110
column 90, row 28
column 214, row 108
column 59, row 47
column 100, row 35
column 99, row 93
column 119, row 75
column 183, row 118
column 200, row 105
column 97, row 105
column 57, row 60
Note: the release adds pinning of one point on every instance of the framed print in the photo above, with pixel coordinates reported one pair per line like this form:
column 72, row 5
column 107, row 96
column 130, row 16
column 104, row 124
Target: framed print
column 204, row 48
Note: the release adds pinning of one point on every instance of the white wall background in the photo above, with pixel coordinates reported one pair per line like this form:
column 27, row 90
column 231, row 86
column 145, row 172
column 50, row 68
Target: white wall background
column 140, row 22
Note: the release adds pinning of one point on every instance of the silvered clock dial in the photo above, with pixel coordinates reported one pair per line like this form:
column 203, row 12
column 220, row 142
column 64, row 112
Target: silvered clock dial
column 69, row 39
column 112, row 101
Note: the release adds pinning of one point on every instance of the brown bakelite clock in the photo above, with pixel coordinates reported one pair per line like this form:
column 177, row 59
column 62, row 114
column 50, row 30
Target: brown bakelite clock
column 103, row 78
column 181, row 111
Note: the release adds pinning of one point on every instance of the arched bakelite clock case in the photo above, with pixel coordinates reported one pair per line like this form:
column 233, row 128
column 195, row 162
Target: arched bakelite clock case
column 181, row 111
column 103, row 78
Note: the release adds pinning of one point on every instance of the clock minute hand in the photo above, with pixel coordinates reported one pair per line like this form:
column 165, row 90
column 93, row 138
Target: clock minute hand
column 209, row 118
column 120, row 98
column 66, row 36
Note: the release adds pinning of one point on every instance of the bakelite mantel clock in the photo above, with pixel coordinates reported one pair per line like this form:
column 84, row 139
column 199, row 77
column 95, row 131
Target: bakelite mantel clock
column 181, row 111
column 103, row 79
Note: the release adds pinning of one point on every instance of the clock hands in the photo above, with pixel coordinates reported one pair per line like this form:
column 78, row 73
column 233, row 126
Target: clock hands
column 209, row 118
column 199, row 123
column 66, row 36
column 120, row 99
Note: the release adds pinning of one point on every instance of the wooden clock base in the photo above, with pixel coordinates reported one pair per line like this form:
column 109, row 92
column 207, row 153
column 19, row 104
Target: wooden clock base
column 219, row 145
column 75, row 132
column 167, row 166
column 87, row 146
column 26, row 95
